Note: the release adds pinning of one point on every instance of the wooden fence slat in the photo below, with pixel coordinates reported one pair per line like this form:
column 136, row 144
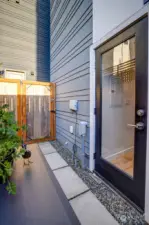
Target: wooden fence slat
column 35, row 110
column 24, row 119
column 19, row 106
column 52, row 112
column 40, row 118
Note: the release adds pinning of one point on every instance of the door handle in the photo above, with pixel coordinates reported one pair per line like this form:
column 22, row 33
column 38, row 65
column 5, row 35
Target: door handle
column 139, row 125
column 53, row 111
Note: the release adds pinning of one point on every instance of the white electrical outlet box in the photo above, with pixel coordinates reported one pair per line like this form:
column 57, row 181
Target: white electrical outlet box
column 71, row 129
column 82, row 128
column 73, row 105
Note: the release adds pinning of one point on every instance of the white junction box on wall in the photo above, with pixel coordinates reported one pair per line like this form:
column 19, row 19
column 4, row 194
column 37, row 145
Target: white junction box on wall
column 71, row 129
column 73, row 105
column 82, row 128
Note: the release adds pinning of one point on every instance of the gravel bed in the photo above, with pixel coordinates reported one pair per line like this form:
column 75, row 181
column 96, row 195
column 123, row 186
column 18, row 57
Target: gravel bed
column 121, row 210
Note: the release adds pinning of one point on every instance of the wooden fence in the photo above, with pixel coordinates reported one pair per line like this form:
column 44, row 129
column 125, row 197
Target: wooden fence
column 33, row 104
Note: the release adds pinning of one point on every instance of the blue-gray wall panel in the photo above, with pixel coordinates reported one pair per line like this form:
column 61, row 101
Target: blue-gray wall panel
column 25, row 37
column 72, row 27
column 71, row 37
column 77, row 60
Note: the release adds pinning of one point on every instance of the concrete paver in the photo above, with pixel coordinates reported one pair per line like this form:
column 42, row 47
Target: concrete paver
column 70, row 182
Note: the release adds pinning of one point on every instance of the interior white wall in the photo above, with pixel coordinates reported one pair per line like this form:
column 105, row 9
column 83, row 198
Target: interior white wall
column 109, row 18
column 116, row 135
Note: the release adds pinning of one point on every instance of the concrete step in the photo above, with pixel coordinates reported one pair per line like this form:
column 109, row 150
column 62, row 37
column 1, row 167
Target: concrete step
column 86, row 206
column 55, row 161
column 90, row 211
column 70, row 182
column 46, row 148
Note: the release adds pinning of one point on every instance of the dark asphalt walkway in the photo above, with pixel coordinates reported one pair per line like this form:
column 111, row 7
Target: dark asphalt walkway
column 39, row 199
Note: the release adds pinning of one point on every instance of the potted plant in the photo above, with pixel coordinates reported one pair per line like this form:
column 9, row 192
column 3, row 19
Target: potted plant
column 10, row 146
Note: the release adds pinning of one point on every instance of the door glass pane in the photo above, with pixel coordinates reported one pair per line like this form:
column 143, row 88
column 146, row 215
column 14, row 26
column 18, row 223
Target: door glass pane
column 118, row 106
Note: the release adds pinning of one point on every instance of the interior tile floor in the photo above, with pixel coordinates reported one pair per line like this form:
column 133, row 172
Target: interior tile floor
column 124, row 161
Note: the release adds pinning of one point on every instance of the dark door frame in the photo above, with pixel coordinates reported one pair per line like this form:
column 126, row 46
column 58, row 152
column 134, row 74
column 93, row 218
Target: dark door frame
column 134, row 188
column 145, row 1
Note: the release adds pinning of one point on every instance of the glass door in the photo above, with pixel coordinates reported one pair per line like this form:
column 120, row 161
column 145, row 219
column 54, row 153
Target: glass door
column 118, row 105
column 121, row 99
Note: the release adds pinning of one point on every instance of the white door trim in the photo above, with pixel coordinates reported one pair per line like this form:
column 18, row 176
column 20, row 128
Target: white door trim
column 126, row 23
column 16, row 71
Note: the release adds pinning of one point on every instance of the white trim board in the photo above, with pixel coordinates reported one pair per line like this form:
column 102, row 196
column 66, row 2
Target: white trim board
column 15, row 74
column 126, row 23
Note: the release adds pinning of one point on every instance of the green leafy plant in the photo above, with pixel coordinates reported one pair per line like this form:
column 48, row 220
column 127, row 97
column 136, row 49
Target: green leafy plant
column 10, row 146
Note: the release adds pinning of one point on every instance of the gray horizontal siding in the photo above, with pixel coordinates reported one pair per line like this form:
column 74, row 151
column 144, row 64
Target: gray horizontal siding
column 24, row 37
column 71, row 37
